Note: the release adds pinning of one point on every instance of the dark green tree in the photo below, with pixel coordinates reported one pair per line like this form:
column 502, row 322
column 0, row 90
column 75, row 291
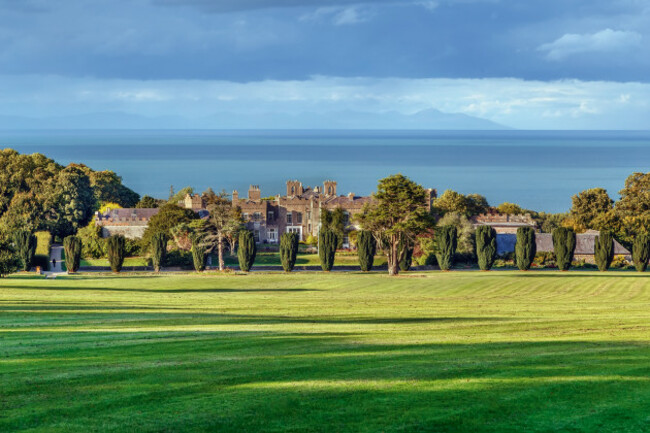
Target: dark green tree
column 72, row 246
column 564, row 245
column 199, row 255
column 288, row 250
column 9, row 260
column 158, row 250
column 115, row 252
column 446, row 246
column 71, row 202
column 604, row 250
column 641, row 251
column 525, row 248
column 335, row 221
column 247, row 250
column 223, row 223
column 406, row 255
column 486, row 247
column 327, row 243
column 147, row 202
column 168, row 217
column 25, row 247
column 366, row 249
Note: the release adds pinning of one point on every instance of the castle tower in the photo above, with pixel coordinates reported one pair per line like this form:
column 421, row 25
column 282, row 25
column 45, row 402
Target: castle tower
column 254, row 193
column 294, row 187
column 329, row 188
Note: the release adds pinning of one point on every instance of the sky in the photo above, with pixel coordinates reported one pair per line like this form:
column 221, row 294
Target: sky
column 525, row 64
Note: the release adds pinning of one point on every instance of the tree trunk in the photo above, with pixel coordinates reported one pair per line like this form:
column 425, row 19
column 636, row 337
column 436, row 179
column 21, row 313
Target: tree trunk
column 220, row 248
column 393, row 257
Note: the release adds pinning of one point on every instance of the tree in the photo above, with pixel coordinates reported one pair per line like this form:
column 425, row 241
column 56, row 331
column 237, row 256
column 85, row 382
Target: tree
column 72, row 246
column 328, row 241
column 288, row 250
column 510, row 209
column 199, row 255
column 451, row 201
column 147, row 202
column 168, row 217
column 223, row 219
column 641, row 251
column 477, row 204
column 25, row 248
column 590, row 204
column 564, row 245
column 247, row 250
column 486, row 247
column 525, row 248
column 446, row 246
column 465, row 242
column 634, row 207
column 334, row 221
column 366, row 249
column 604, row 250
column 9, row 260
column 399, row 211
column 158, row 250
column 115, row 252
column 71, row 202
column 94, row 245
column 406, row 255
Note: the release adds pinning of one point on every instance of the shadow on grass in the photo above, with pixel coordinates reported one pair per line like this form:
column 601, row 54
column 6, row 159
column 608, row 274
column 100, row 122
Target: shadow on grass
column 127, row 289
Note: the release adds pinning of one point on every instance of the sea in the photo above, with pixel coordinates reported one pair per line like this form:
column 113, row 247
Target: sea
column 539, row 170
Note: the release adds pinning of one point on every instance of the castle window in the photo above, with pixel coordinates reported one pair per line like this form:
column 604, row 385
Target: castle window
column 244, row 216
column 293, row 190
column 257, row 216
column 271, row 216
column 271, row 234
column 289, row 218
column 256, row 234
column 299, row 218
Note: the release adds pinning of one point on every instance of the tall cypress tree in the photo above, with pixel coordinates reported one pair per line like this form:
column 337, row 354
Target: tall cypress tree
column 564, row 245
column 115, row 252
column 158, row 250
column 247, row 250
column 72, row 246
column 604, row 250
column 328, row 241
column 446, row 240
column 25, row 243
column 366, row 249
column 405, row 255
column 288, row 250
column 486, row 247
column 525, row 248
column 199, row 256
column 641, row 251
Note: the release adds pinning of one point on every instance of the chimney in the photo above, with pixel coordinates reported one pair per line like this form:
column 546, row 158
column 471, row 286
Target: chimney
column 351, row 196
column 254, row 193
column 235, row 196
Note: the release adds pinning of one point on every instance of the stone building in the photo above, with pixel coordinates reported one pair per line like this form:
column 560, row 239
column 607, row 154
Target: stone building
column 131, row 222
column 298, row 211
column 503, row 223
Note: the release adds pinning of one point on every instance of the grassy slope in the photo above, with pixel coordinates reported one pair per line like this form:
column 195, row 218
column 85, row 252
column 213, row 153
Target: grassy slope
column 463, row 351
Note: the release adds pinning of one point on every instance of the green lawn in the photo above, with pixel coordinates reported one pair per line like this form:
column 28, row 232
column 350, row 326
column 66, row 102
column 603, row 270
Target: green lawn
column 502, row 351
column 273, row 259
column 128, row 262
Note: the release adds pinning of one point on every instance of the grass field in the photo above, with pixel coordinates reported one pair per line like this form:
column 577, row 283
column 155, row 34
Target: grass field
column 502, row 351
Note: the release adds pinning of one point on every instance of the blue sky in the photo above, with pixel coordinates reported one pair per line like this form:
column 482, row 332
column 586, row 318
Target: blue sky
column 553, row 64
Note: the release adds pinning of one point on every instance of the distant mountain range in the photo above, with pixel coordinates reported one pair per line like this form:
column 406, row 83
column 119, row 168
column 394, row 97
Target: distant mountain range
column 426, row 119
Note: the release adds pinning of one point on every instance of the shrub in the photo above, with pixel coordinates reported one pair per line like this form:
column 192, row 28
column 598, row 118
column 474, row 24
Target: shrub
column 604, row 250
column 288, row 250
column 42, row 255
column 72, row 246
column 486, row 247
column 199, row 256
column 158, row 250
column 405, row 255
column 525, row 248
column 446, row 246
column 94, row 246
column 115, row 252
column 25, row 248
column 564, row 245
column 328, row 241
column 179, row 258
column 9, row 260
column 247, row 250
column 366, row 249
column 641, row 252
column 619, row 262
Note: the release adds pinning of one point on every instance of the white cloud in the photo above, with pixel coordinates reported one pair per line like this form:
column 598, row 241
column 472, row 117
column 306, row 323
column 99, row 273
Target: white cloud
column 565, row 104
column 604, row 41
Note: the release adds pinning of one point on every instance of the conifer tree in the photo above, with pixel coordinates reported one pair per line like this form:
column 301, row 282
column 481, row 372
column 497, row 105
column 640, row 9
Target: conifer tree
column 405, row 255
column 158, row 250
column 641, row 251
column 72, row 246
column 328, row 241
column 604, row 250
column 247, row 250
column 115, row 252
column 288, row 250
column 25, row 246
column 366, row 249
column 486, row 247
column 525, row 248
column 199, row 256
column 446, row 246
column 564, row 245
